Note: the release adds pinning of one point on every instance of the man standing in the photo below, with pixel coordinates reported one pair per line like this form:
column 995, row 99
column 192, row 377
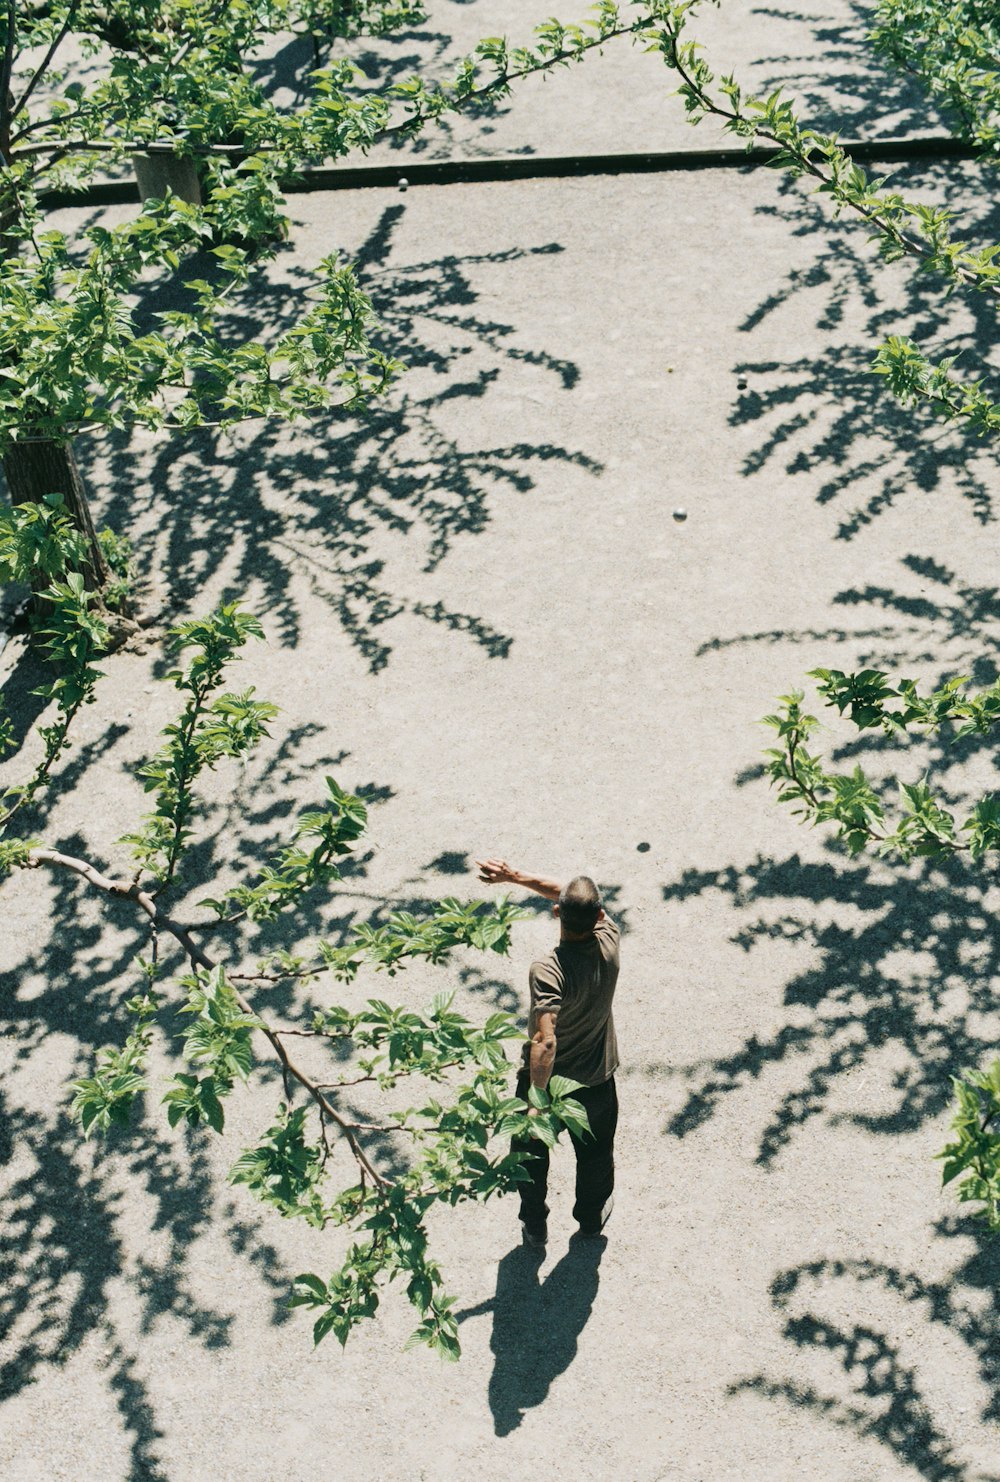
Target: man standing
column 571, row 1033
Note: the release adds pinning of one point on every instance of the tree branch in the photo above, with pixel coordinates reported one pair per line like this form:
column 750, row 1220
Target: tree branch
column 127, row 890
column 498, row 84
column 374, row 1075
column 22, row 102
column 504, row 79
column 804, row 160
column 6, row 71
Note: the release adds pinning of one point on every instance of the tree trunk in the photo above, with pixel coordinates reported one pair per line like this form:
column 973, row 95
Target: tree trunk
column 155, row 172
column 34, row 468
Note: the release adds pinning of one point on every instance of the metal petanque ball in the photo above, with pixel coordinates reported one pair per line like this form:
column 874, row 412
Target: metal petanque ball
column 680, row 515
column 403, row 182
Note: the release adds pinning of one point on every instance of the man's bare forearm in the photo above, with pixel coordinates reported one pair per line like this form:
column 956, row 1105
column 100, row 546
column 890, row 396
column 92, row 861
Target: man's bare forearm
column 542, row 1055
column 537, row 884
column 499, row 872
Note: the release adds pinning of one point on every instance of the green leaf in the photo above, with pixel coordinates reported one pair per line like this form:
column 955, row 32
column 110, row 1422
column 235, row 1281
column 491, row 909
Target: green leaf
column 314, row 1287
column 560, row 1086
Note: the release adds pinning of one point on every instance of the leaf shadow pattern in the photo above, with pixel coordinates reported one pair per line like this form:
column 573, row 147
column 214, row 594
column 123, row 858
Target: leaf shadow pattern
column 948, row 621
column 841, row 82
column 391, row 59
column 536, row 1325
column 824, row 417
column 381, row 63
column 18, row 688
column 62, row 1255
column 883, row 1364
column 349, row 495
column 933, row 618
column 933, row 622
column 907, row 963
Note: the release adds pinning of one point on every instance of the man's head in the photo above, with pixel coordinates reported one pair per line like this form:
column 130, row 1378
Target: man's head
column 579, row 908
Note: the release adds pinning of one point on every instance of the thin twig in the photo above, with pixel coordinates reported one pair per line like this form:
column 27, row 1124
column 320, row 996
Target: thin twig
column 304, row 1033
column 302, row 972
column 504, row 79
column 390, row 1071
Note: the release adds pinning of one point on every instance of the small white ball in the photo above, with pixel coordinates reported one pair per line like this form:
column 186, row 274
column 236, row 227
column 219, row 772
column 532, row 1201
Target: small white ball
column 403, row 182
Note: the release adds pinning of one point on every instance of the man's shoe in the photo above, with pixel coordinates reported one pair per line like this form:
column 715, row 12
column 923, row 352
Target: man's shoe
column 536, row 1236
column 595, row 1232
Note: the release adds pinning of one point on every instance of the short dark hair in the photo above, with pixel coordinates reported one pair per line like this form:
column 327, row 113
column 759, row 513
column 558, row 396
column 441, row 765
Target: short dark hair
column 579, row 905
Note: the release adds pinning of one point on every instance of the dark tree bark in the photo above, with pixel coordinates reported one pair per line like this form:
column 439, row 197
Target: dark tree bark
column 155, row 172
column 37, row 467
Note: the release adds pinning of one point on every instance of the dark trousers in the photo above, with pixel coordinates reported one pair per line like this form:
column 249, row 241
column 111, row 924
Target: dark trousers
column 595, row 1158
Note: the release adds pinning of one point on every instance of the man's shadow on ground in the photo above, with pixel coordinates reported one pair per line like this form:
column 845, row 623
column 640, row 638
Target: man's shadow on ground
column 536, row 1325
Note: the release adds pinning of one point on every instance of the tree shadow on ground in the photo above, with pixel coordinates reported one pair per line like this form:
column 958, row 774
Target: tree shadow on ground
column 536, row 1325
column 932, row 622
column 880, row 1379
column 901, row 964
column 62, row 1256
column 341, row 499
column 932, row 618
column 283, row 71
column 826, row 418
column 64, row 1249
column 899, row 981
column 65, row 1257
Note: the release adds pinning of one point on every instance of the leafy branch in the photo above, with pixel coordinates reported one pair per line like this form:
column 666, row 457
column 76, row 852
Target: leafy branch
column 447, row 1140
column 974, row 1154
column 229, row 726
column 912, row 378
column 849, row 800
column 297, row 868
column 903, row 228
column 953, row 48
column 287, row 1171
column 40, row 546
column 72, row 355
column 197, row 102
column 558, row 45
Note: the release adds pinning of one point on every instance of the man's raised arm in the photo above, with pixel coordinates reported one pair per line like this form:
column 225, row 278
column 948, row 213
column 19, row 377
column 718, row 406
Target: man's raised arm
column 498, row 872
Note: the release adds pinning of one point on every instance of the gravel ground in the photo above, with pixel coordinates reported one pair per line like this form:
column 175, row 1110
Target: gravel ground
column 480, row 609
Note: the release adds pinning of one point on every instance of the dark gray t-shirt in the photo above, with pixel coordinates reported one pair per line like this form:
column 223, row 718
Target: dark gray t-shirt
column 576, row 982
